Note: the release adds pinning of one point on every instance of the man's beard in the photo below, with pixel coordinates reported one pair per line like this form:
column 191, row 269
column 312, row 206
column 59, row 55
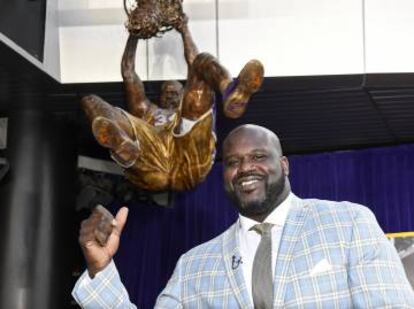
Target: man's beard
column 260, row 206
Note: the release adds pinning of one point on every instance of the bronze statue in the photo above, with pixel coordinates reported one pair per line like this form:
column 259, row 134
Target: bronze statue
column 170, row 146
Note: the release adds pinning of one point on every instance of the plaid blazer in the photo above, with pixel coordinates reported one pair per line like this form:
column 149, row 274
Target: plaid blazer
column 331, row 255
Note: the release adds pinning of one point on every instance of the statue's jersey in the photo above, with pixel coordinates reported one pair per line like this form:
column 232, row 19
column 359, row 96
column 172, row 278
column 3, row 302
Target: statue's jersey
column 176, row 155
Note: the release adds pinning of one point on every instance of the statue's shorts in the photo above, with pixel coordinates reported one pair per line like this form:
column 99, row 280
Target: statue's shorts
column 176, row 156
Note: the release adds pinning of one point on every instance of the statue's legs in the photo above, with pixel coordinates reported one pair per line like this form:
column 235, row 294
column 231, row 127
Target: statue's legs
column 208, row 69
column 236, row 94
column 111, row 129
column 198, row 97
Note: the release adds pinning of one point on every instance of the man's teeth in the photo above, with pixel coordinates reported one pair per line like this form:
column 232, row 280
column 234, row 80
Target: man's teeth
column 248, row 183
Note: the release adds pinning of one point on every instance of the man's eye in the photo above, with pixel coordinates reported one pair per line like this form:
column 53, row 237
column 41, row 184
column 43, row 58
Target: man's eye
column 259, row 157
column 231, row 163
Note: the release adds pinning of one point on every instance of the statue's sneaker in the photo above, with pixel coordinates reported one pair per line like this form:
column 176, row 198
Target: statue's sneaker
column 109, row 134
column 238, row 92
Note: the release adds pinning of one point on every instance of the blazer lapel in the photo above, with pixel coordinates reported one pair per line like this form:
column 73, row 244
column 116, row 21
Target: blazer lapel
column 231, row 254
column 291, row 233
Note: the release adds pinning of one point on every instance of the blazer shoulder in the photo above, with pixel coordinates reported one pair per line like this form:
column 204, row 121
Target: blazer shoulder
column 344, row 210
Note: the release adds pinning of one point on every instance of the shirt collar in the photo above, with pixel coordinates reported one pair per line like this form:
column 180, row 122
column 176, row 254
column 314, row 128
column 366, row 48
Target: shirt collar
column 277, row 216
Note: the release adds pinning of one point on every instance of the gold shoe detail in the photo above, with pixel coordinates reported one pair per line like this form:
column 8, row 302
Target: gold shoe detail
column 108, row 133
column 247, row 83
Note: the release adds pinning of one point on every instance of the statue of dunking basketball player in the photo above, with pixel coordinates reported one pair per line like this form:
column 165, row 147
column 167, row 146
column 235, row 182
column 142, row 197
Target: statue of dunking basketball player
column 170, row 146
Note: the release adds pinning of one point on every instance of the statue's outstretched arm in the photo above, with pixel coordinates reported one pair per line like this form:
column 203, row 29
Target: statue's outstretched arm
column 190, row 49
column 138, row 103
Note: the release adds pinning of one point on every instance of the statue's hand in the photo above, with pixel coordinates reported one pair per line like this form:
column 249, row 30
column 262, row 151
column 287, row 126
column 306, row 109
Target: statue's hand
column 99, row 237
column 181, row 24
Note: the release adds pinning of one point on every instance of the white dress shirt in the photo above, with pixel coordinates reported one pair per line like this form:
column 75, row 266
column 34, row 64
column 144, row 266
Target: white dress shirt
column 249, row 239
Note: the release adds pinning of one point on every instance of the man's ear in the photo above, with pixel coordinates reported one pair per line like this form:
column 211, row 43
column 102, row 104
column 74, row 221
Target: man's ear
column 285, row 165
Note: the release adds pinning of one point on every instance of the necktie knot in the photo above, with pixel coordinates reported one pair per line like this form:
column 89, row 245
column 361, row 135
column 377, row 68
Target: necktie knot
column 263, row 228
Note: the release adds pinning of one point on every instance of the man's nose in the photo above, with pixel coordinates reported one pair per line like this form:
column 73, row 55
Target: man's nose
column 246, row 166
